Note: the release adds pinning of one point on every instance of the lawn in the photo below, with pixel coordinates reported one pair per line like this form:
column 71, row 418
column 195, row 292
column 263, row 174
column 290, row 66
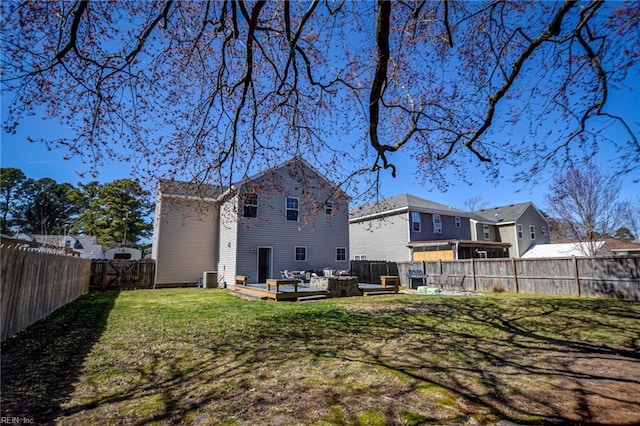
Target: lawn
column 195, row 356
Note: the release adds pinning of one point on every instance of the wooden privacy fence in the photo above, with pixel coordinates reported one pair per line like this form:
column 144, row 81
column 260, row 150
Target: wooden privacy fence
column 370, row 271
column 34, row 284
column 617, row 277
column 110, row 274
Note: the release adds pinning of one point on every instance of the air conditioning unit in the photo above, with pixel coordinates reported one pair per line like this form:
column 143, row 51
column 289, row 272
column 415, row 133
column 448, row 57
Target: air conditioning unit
column 210, row 279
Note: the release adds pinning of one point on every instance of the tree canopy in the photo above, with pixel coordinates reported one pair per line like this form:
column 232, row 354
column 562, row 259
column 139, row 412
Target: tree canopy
column 211, row 91
column 115, row 212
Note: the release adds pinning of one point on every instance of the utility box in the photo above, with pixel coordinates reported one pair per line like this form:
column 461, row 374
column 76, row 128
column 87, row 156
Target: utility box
column 210, row 279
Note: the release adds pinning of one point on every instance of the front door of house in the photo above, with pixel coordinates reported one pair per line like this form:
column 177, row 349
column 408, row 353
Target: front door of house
column 265, row 264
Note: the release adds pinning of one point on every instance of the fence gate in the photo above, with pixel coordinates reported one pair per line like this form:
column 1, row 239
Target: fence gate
column 111, row 274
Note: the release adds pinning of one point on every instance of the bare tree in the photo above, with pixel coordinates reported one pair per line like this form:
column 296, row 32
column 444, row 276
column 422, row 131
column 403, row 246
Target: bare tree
column 585, row 201
column 475, row 203
column 631, row 217
column 212, row 91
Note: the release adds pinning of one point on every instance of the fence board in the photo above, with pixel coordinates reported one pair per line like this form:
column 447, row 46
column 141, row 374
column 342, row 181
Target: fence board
column 110, row 274
column 617, row 277
column 34, row 284
column 370, row 271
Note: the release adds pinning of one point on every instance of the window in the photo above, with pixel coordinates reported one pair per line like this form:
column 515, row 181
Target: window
column 520, row 235
column 458, row 222
column 416, row 223
column 292, row 208
column 301, row 254
column 328, row 208
column 543, row 230
column 360, row 257
column 250, row 205
column 341, row 254
column 485, row 230
column 532, row 232
column 437, row 224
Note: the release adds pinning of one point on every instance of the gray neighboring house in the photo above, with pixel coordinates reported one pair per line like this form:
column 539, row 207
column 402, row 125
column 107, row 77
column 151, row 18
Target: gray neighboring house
column 289, row 217
column 521, row 225
column 86, row 245
column 407, row 228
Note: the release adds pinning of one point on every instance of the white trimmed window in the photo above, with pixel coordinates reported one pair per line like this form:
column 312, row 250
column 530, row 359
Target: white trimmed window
column 532, row 232
column 250, row 205
column 360, row 257
column 520, row 232
column 341, row 254
column 416, row 223
column 293, row 207
column 485, row 231
column 458, row 222
column 300, row 254
column 328, row 208
column 543, row 230
column 437, row 224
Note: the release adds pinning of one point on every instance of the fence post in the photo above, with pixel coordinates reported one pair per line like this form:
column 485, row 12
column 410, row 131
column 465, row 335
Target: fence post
column 515, row 273
column 473, row 273
column 577, row 275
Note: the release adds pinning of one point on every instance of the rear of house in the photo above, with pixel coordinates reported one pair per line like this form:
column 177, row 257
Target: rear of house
column 289, row 218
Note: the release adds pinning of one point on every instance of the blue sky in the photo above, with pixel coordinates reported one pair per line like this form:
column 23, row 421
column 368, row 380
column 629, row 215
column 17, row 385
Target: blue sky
column 36, row 161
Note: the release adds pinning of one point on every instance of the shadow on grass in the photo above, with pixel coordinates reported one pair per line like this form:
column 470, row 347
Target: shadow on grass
column 40, row 364
column 402, row 360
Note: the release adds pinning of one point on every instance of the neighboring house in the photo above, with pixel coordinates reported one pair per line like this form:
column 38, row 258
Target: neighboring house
column 520, row 225
column 623, row 248
column 405, row 228
column 86, row 245
column 287, row 218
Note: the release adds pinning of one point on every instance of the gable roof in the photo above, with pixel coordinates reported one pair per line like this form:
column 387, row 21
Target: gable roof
column 401, row 203
column 216, row 193
column 297, row 163
column 178, row 188
column 504, row 214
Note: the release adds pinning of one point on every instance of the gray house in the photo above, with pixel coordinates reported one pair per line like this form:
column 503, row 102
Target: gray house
column 521, row 225
column 408, row 228
column 287, row 218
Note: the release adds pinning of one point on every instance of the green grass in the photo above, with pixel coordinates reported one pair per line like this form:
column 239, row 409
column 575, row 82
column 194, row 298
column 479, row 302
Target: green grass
column 198, row 356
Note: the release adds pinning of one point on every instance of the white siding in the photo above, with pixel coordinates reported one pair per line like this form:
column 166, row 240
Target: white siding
column 185, row 240
column 228, row 242
column 319, row 232
column 382, row 239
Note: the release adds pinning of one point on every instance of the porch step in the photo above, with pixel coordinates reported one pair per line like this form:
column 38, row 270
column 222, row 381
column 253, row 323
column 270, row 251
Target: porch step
column 249, row 294
column 310, row 298
column 379, row 293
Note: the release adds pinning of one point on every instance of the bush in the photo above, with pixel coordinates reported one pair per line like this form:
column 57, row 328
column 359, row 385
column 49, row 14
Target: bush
column 497, row 288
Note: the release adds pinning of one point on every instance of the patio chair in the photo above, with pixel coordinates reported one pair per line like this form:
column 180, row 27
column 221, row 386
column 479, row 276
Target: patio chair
column 443, row 280
column 286, row 275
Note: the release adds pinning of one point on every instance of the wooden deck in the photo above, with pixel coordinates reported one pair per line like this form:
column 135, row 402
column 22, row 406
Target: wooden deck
column 291, row 293
column 287, row 293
